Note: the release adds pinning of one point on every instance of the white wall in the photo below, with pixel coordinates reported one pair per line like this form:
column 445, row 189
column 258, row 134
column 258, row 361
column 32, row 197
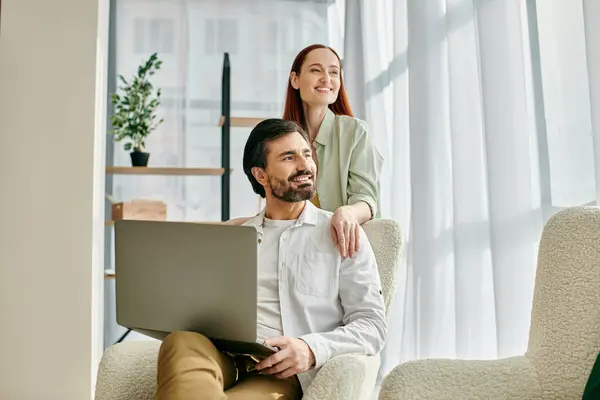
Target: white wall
column 52, row 116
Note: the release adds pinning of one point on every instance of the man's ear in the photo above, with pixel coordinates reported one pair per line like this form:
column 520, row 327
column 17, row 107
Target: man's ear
column 260, row 175
column 294, row 80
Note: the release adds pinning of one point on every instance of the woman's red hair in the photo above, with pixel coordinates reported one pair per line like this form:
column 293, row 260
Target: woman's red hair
column 293, row 110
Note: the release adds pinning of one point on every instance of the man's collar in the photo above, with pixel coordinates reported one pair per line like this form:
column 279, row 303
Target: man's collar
column 325, row 128
column 308, row 216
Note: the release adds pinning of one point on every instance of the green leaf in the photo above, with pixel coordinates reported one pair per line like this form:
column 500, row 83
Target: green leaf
column 127, row 146
column 135, row 105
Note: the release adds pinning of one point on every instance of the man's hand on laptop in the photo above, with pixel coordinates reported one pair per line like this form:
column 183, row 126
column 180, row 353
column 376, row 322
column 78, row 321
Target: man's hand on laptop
column 294, row 356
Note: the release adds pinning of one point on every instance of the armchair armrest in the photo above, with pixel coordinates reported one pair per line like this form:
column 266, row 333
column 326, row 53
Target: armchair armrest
column 509, row 378
column 345, row 377
column 128, row 371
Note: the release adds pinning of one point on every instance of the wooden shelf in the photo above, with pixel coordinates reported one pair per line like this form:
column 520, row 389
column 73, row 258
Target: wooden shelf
column 165, row 171
column 112, row 222
column 242, row 122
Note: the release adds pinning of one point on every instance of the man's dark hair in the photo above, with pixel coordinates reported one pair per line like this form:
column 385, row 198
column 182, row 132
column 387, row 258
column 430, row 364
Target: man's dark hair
column 255, row 151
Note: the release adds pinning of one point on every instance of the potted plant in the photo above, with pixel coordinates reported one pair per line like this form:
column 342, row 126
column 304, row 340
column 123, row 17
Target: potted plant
column 134, row 116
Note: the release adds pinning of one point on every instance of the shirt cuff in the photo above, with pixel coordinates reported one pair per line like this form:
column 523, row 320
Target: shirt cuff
column 318, row 347
column 366, row 199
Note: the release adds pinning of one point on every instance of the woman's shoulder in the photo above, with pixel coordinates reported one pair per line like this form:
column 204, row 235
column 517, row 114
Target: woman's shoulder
column 351, row 128
column 353, row 133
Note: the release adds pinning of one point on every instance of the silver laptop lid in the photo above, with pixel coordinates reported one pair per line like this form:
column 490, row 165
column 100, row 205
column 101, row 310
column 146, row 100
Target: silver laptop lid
column 173, row 276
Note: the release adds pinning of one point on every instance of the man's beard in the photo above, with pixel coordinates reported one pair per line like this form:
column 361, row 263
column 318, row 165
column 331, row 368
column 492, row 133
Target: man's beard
column 285, row 191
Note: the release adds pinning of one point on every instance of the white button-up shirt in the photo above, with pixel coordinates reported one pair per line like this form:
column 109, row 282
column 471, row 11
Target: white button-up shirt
column 334, row 304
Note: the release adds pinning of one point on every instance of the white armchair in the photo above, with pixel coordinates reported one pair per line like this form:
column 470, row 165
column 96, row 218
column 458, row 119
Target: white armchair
column 128, row 370
column 564, row 337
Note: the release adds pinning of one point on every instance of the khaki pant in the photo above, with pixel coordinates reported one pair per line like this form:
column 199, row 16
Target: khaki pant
column 190, row 367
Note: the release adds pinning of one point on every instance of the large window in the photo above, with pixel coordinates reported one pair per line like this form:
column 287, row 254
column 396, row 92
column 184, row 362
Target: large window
column 156, row 34
column 221, row 35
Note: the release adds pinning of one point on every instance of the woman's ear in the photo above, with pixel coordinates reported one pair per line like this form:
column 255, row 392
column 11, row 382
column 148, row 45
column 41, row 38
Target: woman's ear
column 260, row 175
column 294, row 80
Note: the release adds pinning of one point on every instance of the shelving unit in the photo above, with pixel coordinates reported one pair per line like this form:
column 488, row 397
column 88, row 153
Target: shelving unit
column 172, row 171
column 165, row 171
column 226, row 138
column 226, row 122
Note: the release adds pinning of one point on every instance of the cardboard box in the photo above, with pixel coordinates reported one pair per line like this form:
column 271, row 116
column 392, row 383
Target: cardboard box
column 139, row 209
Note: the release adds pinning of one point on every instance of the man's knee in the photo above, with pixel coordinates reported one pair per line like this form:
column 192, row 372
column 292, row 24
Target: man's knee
column 185, row 341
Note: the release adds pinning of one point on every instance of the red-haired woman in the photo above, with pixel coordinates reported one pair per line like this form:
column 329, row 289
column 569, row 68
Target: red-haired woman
column 349, row 165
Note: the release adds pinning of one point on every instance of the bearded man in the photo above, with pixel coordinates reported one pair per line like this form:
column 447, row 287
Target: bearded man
column 313, row 304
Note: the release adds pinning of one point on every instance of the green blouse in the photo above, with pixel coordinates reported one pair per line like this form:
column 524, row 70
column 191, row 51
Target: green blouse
column 349, row 164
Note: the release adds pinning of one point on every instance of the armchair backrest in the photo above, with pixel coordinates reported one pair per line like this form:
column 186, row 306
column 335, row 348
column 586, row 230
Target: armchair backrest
column 386, row 240
column 564, row 338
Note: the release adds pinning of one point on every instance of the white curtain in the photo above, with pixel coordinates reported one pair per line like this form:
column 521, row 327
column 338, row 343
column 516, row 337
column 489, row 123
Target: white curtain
column 484, row 112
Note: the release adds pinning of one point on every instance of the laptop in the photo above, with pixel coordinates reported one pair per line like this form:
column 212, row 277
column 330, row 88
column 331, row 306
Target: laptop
column 183, row 276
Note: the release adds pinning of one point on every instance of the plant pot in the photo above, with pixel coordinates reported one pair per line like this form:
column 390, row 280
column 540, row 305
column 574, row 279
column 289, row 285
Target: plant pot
column 139, row 158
